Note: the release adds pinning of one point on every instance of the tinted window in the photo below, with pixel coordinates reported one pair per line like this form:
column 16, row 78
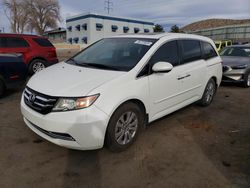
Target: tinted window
column 167, row 53
column 208, row 50
column 43, row 42
column 191, row 50
column 2, row 43
column 13, row 42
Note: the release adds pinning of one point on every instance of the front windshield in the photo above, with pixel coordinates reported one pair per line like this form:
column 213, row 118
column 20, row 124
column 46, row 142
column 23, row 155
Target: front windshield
column 236, row 51
column 121, row 54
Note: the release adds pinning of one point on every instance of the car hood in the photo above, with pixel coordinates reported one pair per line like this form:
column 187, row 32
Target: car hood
column 65, row 80
column 232, row 61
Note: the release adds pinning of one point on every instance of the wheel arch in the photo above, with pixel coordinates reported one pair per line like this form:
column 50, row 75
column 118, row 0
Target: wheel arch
column 215, row 80
column 136, row 101
column 35, row 58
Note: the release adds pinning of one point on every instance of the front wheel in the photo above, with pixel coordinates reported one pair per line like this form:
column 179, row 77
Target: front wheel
column 36, row 66
column 208, row 94
column 124, row 126
column 246, row 82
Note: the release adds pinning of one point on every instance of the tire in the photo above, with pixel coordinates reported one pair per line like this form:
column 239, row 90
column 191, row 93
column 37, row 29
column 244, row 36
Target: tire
column 2, row 88
column 208, row 94
column 121, row 132
column 37, row 65
column 246, row 82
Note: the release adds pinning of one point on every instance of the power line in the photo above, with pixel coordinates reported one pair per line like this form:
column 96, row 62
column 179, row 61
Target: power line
column 108, row 5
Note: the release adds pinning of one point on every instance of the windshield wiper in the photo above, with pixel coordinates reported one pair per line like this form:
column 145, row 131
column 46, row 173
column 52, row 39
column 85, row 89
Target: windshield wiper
column 73, row 60
column 100, row 66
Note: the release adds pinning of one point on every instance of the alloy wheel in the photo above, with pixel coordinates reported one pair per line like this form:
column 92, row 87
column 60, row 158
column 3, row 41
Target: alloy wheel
column 210, row 92
column 126, row 128
column 38, row 66
column 248, row 80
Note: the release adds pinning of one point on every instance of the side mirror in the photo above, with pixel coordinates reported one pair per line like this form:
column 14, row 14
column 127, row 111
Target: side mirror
column 162, row 67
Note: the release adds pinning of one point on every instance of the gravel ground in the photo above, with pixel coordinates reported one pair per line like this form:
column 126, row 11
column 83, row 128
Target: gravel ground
column 193, row 147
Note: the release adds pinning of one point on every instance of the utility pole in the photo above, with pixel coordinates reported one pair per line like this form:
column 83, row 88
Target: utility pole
column 108, row 5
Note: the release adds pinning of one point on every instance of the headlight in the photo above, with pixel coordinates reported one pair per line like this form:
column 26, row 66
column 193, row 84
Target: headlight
column 66, row 104
column 239, row 67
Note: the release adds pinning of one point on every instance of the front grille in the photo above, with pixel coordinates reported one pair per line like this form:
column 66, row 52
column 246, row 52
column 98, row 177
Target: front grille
column 39, row 102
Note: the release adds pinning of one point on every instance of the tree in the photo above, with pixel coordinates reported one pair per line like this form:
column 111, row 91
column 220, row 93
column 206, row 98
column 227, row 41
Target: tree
column 17, row 15
column 32, row 14
column 158, row 28
column 175, row 29
column 43, row 14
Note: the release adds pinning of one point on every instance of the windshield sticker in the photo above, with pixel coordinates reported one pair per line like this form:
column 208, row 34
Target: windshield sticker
column 145, row 43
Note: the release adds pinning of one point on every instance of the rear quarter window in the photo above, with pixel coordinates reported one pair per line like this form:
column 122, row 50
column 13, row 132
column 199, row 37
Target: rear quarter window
column 191, row 50
column 208, row 51
column 43, row 42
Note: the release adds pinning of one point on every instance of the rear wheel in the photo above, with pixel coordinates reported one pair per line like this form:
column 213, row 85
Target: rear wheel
column 124, row 126
column 2, row 88
column 36, row 66
column 246, row 82
column 208, row 94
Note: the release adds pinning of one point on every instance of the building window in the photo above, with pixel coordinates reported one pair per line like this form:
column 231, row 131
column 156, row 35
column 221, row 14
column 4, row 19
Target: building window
column 99, row 27
column 114, row 28
column 70, row 28
column 70, row 40
column 125, row 29
column 146, row 30
column 136, row 30
column 78, row 27
column 84, row 26
column 85, row 40
column 76, row 39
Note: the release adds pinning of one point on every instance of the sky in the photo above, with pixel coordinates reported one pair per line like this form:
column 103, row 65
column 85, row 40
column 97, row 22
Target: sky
column 164, row 12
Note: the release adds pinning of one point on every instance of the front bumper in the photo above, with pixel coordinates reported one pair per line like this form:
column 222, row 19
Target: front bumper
column 86, row 127
column 233, row 75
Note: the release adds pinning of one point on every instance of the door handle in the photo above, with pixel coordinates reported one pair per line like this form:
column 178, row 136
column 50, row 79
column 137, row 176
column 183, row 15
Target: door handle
column 183, row 77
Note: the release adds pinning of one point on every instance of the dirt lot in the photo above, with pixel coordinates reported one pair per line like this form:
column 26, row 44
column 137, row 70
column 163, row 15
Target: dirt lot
column 194, row 147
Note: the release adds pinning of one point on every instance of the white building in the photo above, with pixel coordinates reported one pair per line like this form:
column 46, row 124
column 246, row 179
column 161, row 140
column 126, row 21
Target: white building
column 88, row 28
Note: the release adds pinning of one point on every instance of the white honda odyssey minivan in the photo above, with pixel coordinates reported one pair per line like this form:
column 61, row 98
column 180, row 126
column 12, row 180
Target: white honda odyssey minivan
column 112, row 89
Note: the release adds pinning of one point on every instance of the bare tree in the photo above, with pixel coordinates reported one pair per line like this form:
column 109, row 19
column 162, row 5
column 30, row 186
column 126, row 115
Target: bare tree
column 17, row 14
column 43, row 14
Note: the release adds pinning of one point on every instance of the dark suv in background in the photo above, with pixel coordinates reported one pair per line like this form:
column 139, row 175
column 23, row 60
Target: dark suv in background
column 37, row 51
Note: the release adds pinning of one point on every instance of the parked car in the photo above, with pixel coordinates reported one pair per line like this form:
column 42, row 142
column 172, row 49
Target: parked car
column 110, row 90
column 220, row 44
column 37, row 51
column 236, row 60
column 13, row 72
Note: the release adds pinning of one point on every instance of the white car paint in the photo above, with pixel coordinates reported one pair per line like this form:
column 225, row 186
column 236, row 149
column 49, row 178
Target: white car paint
column 161, row 93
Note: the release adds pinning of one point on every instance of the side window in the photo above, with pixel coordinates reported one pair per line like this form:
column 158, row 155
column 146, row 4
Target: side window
column 208, row 51
column 2, row 42
column 167, row 52
column 16, row 42
column 191, row 50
